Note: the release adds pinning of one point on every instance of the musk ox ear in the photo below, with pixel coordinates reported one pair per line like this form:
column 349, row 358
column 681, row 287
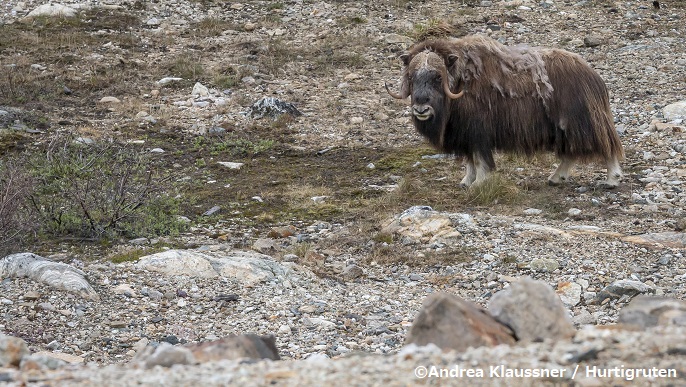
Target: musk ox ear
column 405, row 57
column 452, row 58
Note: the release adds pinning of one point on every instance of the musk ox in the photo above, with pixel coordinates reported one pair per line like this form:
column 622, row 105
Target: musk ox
column 472, row 96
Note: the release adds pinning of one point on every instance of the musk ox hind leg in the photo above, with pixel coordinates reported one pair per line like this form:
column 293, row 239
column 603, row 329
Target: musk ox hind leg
column 614, row 173
column 561, row 174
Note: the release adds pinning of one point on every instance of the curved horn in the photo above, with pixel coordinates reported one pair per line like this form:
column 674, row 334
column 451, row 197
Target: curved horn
column 402, row 95
column 448, row 92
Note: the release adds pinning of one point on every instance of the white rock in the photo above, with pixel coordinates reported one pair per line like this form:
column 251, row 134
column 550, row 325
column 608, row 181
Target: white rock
column 573, row 212
column 56, row 274
column 675, row 111
column 319, row 199
column 247, row 267
column 167, row 80
column 179, row 262
column 200, row 90
column 52, row 10
column 230, row 165
column 109, row 100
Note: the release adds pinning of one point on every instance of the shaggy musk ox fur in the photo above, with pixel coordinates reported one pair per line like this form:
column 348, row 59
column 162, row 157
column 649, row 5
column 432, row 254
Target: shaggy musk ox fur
column 471, row 96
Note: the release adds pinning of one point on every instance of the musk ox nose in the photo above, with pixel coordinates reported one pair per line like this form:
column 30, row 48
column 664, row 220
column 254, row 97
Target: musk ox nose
column 422, row 112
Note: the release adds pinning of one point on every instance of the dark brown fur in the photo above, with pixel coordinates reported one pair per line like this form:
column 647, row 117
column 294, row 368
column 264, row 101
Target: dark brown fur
column 517, row 99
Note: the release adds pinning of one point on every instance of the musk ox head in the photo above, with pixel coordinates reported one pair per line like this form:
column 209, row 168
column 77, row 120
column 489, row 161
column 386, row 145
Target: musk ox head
column 428, row 81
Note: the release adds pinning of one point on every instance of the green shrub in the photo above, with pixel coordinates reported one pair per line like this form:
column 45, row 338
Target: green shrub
column 100, row 190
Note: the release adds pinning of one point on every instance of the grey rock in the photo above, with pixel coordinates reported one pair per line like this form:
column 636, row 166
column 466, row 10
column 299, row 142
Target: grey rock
column 165, row 355
column 645, row 312
column 41, row 361
column 273, row 108
column 584, row 317
column 352, row 272
column 236, row 347
column 212, row 211
column 533, row 311
column 454, row 324
column 593, row 41
column 544, row 264
column 675, row 111
column 629, row 288
column 12, row 350
column 265, row 246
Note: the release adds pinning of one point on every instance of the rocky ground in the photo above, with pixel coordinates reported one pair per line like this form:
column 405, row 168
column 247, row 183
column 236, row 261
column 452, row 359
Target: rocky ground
column 339, row 283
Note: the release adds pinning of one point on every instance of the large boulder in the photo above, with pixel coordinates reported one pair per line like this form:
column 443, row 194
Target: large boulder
column 533, row 311
column 452, row 323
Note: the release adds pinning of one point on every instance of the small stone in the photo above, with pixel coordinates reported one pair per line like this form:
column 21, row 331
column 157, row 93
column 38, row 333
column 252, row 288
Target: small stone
column 584, row 318
column 236, row 347
column 265, row 246
column 164, row 355
column 574, row 213
column 352, row 272
column 212, row 211
column 593, row 41
column 282, row 232
column 569, row 292
column 249, row 27
column 118, row 324
column 200, row 91
column 111, row 100
column 230, row 165
column 621, row 288
column 284, row 330
column 533, row 211
column 319, row 199
column 167, row 80
column 544, row 264
column 356, row 120
column 31, row 295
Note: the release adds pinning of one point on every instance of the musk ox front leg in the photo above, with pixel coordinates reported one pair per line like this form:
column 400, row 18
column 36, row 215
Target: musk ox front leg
column 478, row 170
column 561, row 174
column 470, row 175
